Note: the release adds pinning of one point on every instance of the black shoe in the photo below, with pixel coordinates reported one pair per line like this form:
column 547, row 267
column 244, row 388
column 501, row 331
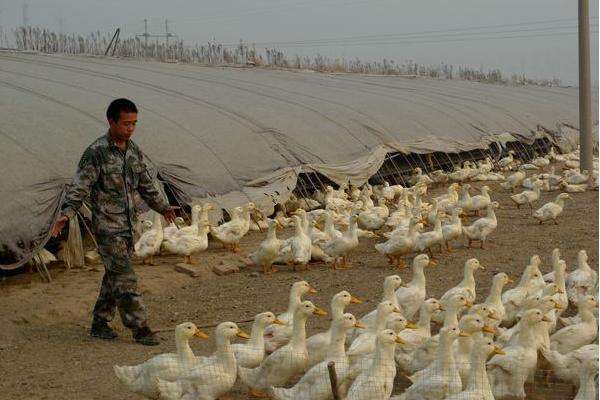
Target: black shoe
column 101, row 330
column 146, row 337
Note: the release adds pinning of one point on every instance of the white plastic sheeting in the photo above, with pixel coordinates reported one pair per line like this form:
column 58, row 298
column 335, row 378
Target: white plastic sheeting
column 237, row 132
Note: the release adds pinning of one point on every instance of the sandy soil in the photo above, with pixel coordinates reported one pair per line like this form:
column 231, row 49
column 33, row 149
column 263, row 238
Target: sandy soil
column 45, row 351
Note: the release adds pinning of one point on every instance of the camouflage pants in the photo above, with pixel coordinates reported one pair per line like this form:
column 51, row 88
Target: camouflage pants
column 119, row 289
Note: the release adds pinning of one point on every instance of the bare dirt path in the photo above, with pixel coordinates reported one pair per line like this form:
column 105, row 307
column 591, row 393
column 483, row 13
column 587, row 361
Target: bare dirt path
column 45, row 352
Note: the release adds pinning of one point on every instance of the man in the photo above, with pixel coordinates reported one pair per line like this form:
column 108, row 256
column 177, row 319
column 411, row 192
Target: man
column 109, row 172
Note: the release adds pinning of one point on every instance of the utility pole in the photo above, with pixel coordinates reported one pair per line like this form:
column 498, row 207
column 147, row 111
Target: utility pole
column 167, row 34
column 25, row 8
column 146, row 32
column 586, row 143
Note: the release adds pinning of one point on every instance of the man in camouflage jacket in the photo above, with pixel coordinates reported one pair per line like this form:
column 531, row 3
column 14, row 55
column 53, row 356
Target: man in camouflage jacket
column 111, row 169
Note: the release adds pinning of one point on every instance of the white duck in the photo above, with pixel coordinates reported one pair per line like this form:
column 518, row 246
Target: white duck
column 541, row 161
column 268, row 249
column 340, row 247
column 141, row 379
column 230, row 233
column 583, row 279
column 477, row 383
column 413, row 294
column 507, row 373
column 506, row 161
column 374, row 218
column 494, row 299
column 567, row 367
column 528, row 196
column 588, row 388
column 474, row 326
column 483, row 227
column 429, row 239
column 441, row 378
column 465, row 287
column 453, row 229
column 426, row 353
column 574, row 336
column 401, row 245
column 251, row 354
column 211, row 378
column 149, row 243
column 481, row 201
column 364, row 343
column 278, row 335
column 449, row 199
column 377, row 382
column 551, row 210
column 514, row 180
column 286, row 361
column 318, row 344
column 390, row 284
column 297, row 249
column 188, row 244
column 315, row 384
column 574, row 177
column 512, row 299
column 414, row 338
column 173, row 228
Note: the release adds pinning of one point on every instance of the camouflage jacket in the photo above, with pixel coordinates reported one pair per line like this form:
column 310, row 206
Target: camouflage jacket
column 110, row 177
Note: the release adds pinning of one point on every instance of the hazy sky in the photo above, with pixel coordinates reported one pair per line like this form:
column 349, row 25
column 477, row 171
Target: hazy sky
column 540, row 50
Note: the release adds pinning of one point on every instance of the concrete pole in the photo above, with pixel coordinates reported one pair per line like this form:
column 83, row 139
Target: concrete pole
column 585, row 100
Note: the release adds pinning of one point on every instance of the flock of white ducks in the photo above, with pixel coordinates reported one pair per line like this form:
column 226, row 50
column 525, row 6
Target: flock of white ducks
column 522, row 329
column 489, row 350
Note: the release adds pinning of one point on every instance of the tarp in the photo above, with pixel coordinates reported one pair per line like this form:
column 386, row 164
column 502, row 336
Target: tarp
column 238, row 132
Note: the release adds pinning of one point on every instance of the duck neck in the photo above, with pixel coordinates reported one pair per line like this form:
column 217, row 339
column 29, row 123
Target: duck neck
column 583, row 265
column 352, row 232
column 464, row 344
column 559, row 279
column 299, row 228
column 468, row 280
column 157, row 223
column 478, row 380
column 389, row 294
column 384, row 356
column 195, row 214
column 445, row 354
column 295, row 299
column 337, row 344
column 495, row 296
column 425, row 321
column 451, row 316
column 337, row 309
column 257, row 339
column 418, row 278
column 223, row 349
column 299, row 330
column 490, row 212
column 380, row 320
column 203, row 216
column 559, row 201
column 186, row 355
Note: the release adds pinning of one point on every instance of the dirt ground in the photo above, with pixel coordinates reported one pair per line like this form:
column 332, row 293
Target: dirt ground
column 45, row 351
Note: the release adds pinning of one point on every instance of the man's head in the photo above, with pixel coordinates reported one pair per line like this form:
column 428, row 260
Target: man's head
column 122, row 118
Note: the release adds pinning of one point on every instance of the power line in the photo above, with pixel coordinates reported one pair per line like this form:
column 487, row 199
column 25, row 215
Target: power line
column 279, row 7
column 415, row 35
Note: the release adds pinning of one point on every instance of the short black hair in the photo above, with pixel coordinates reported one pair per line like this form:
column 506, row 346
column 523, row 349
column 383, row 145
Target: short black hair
column 113, row 112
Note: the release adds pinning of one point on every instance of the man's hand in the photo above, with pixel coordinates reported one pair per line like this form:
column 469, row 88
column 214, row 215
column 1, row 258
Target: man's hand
column 170, row 214
column 59, row 225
